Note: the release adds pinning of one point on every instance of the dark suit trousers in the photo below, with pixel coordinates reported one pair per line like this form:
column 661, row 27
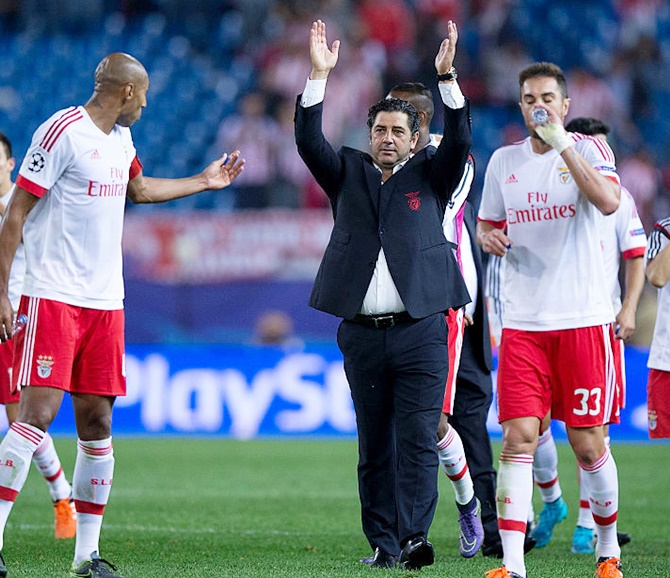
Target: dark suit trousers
column 474, row 391
column 397, row 378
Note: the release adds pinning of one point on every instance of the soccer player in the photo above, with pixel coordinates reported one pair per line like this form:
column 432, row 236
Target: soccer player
column 658, row 274
column 45, row 457
column 68, row 207
column 622, row 236
column 542, row 203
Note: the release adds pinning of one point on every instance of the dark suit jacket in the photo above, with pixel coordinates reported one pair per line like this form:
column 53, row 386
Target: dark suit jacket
column 404, row 216
column 477, row 335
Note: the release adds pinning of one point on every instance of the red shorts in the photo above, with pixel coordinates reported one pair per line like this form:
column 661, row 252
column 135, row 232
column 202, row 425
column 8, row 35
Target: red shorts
column 658, row 403
column 456, row 325
column 76, row 349
column 6, row 355
column 570, row 372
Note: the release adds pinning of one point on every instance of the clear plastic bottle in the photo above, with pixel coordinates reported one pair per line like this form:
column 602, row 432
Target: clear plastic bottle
column 540, row 116
column 19, row 324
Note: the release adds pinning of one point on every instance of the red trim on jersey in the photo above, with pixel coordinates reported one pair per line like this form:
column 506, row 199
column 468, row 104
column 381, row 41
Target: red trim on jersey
column 89, row 508
column 512, row 525
column 57, row 128
column 634, row 252
column 662, row 229
column 602, row 521
column 31, row 187
column 496, row 224
column 8, row 494
column 135, row 168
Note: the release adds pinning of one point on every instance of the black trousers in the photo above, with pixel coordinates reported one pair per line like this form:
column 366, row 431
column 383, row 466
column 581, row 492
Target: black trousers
column 397, row 378
column 474, row 392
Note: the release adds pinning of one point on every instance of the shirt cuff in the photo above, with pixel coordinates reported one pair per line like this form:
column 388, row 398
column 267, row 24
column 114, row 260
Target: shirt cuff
column 451, row 94
column 314, row 93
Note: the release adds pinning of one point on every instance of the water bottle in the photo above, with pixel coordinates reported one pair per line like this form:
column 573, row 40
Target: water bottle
column 539, row 115
column 19, row 323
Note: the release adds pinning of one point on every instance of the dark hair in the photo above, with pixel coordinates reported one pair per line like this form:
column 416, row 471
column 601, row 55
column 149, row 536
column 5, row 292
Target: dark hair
column 395, row 105
column 418, row 94
column 8, row 145
column 587, row 125
column 544, row 69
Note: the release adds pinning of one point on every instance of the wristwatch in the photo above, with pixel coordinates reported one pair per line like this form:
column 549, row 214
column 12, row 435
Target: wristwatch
column 451, row 74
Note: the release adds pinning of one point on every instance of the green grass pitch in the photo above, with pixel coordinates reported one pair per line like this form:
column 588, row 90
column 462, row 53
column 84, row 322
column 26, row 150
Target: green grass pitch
column 203, row 507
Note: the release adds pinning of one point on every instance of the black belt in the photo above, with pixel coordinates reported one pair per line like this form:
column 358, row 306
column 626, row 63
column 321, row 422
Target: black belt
column 383, row 321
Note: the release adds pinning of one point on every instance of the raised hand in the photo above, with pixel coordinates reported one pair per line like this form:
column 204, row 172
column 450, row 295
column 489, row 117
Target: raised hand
column 323, row 58
column 445, row 56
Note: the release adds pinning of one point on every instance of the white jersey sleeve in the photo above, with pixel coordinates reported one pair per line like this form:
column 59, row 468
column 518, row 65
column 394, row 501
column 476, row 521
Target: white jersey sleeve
column 659, row 352
column 622, row 236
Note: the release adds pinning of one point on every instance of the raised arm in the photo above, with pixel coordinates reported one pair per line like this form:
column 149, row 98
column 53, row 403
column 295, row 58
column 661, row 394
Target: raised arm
column 218, row 175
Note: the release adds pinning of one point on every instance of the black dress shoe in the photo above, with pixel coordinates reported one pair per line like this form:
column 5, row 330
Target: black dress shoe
column 416, row 554
column 493, row 550
column 382, row 559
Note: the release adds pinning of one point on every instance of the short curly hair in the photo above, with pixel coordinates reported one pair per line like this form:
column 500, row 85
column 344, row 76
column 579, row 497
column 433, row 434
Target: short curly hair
column 395, row 105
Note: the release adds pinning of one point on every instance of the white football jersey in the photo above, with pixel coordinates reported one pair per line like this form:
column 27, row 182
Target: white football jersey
column 555, row 273
column 622, row 235
column 18, row 270
column 72, row 236
column 659, row 352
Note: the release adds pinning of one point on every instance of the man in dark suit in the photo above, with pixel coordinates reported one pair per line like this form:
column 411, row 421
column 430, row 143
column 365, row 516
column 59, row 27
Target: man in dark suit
column 389, row 272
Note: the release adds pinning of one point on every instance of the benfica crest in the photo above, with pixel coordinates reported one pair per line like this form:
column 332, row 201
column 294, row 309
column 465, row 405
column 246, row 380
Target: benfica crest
column 44, row 363
column 564, row 175
column 413, row 200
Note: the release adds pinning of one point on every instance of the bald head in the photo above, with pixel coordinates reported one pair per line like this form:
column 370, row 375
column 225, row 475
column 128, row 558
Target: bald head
column 118, row 69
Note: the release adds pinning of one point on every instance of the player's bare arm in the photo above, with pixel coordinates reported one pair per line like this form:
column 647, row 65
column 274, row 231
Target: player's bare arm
column 323, row 58
column 602, row 192
column 11, row 230
column 634, row 285
column 658, row 268
column 492, row 240
column 218, row 175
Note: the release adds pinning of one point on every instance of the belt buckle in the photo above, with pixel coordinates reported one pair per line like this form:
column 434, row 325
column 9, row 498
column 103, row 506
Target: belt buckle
column 384, row 321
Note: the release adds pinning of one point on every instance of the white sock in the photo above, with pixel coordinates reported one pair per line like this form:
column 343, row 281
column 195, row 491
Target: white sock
column 513, row 497
column 545, row 468
column 16, row 451
column 91, row 484
column 452, row 458
column 584, row 517
column 602, row 482
column 47, row 462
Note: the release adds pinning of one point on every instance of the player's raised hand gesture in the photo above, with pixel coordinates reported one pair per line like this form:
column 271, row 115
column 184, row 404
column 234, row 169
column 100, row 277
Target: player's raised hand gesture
column 445, row 56
column 224, row 170
column 323, row 58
